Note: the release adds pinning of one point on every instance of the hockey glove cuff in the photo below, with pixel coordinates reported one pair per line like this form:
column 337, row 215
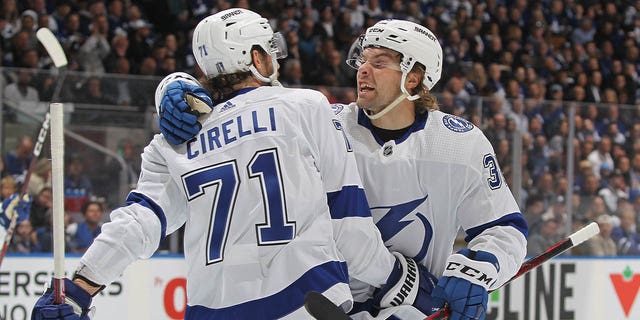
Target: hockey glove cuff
column 76, row 305
column 409, row 283
column 465, row 283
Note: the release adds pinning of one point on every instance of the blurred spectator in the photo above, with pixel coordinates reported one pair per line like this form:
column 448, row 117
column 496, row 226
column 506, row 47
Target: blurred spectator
column 8, row 187
column 96, row 47
column 114, row 173
column 634, row 172
column 22, row 95
column 93, row 93
column 534, row 208
column 584, row 33
column 78, row 189
column 614, row 189
column 139, row 48
column 84, row 232
column 24, row 239
column 548, row 235
column 626, row 235
column 17, row 160
column 71, row 37
column 595, row 207
column 119, row 47
column 601, row 156
column 602, row 244
column 148, row 68
column 40, row 176
column 42, row 203
column 292, row 74
column 119, row 88
column 115, row 9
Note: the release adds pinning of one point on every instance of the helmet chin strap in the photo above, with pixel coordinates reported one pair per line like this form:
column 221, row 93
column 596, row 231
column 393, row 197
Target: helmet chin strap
column 387, row 108
column 272, row 78
column 402, row 96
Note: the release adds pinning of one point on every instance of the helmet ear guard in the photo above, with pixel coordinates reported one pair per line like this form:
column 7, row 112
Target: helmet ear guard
column 222, row 43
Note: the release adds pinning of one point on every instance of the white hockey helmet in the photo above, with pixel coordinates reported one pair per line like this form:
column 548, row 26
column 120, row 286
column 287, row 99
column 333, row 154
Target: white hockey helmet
column 222, row 43
column 169, row 79
column 415, row 42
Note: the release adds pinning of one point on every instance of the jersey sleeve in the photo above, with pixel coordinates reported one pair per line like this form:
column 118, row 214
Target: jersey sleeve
column 356, row 236
column 151, row 211
column 489, row 213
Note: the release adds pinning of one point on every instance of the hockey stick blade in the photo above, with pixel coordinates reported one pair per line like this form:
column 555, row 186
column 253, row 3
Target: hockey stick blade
column 322, row 308
column 55, row 51
column 556, row 249
column 53, row 47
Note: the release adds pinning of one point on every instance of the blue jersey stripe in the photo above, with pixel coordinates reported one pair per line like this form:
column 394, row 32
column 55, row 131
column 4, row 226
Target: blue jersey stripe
column 515, row 220
column 348, row 202
column 319, row 279
column 141, row 199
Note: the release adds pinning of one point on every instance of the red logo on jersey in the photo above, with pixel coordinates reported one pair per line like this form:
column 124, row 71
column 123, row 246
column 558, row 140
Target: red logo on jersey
column 627, row 285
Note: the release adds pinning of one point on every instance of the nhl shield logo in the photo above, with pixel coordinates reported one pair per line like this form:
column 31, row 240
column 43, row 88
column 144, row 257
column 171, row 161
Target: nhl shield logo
column 387, row 151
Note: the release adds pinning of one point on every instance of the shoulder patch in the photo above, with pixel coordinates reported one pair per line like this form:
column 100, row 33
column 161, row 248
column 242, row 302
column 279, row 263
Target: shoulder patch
column 337, row 108
column 456, row 124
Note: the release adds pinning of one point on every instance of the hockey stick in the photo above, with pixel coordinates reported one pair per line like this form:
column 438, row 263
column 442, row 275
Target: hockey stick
column 57, row 188
column 559, row 247
column 321, row 308
column 53, row 47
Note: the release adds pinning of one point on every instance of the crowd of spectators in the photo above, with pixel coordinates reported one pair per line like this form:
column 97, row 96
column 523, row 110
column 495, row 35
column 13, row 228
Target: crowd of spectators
column 509, row 67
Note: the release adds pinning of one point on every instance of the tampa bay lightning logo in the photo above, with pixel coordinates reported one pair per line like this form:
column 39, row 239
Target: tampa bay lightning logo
column 394, row 221
column 337, row 108
column 456, row 124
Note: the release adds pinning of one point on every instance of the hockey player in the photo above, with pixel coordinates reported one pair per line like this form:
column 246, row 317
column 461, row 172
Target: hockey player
column 268, row 189
column 20, row 207
column 426, row 173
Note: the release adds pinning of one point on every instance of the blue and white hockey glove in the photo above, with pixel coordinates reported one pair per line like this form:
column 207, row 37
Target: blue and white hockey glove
column 465, row 283
column 180, row 100
column 408, row 284
column 76, row 307
column 12, row 205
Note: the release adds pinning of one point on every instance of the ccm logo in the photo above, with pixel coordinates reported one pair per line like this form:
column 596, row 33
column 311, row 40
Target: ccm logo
column 470, row 272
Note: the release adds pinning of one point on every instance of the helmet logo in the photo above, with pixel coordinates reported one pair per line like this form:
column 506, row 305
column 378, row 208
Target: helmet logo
column 230, row 14
column 220, row 67
column 429, row 35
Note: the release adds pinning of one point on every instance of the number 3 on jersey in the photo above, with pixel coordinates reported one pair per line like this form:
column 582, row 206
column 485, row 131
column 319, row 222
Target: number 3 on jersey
column 265, row 167
column 494, row 179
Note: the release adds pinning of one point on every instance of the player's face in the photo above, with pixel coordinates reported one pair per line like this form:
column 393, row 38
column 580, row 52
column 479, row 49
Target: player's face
column 378, row 80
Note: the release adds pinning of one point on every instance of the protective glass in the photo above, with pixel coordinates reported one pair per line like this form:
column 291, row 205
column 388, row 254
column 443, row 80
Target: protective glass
column 355, row 59
column 278, row 46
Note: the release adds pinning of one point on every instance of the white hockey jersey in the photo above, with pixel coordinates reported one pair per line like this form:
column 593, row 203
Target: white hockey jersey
column 273, row 206
column 440, row 176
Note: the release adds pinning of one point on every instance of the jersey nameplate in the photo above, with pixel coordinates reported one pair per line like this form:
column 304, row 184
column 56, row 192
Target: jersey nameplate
column 456, row 124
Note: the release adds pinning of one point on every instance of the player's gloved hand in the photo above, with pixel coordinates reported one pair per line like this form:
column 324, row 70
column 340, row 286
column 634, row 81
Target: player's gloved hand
column 76, row 307
column 13, row 205
column 465, row 283
column 181, row 105
column 408, row 284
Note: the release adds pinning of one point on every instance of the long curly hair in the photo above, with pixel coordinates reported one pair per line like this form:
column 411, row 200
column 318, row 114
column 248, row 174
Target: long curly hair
column 427, row 101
